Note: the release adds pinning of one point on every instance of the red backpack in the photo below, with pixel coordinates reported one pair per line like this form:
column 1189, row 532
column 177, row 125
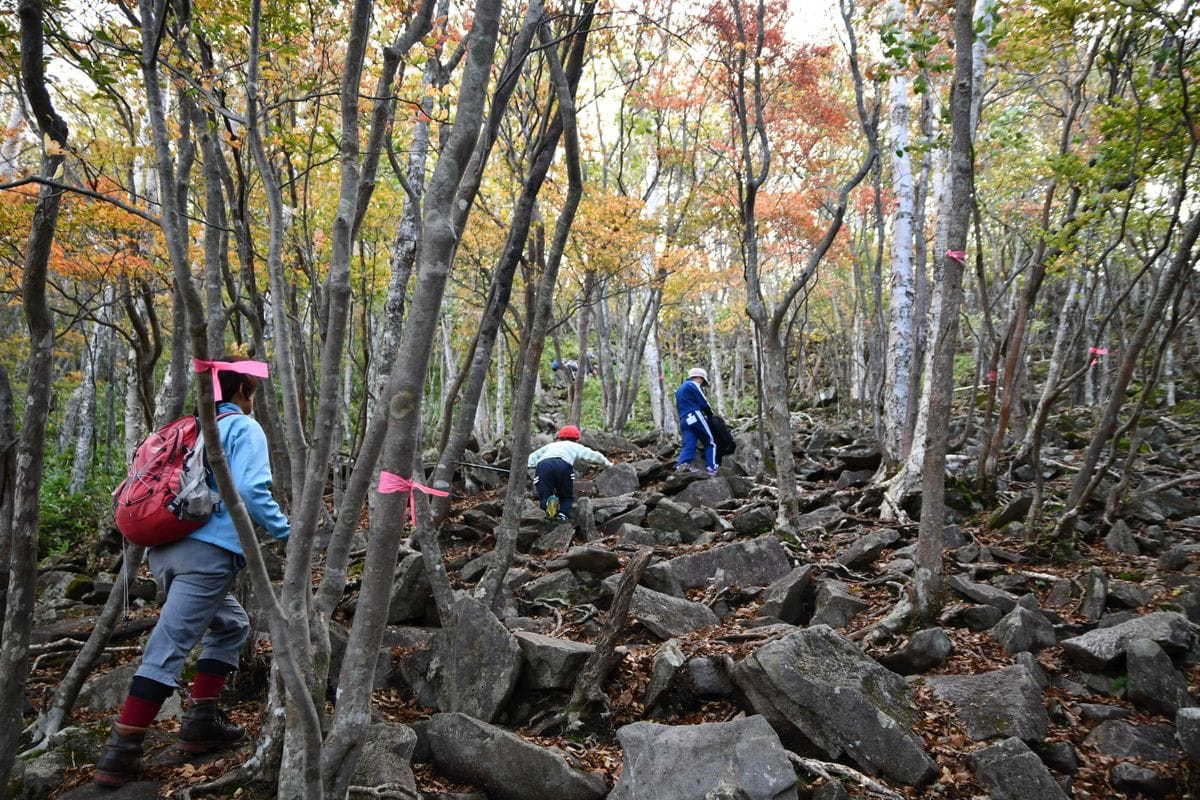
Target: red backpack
column 167, row 494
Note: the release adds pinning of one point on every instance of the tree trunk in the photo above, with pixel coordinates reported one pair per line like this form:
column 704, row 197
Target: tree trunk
column 514, row 497
column 899, row 403
column 402, row 445
column 22, row 577
column 927, row 580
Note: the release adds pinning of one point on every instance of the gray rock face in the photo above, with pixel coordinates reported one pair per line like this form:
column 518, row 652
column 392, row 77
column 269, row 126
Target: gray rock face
column 481, row 662
column 669, row 515
column 823, row 517
column 1120, row 739
column 1187, row 731
column 562, row 585
column 835, row 606
column 757, row 562
column 1154, row 683
column 411, row 593
column 551, row 663
column 1134, row 780
column 617, row 480
column 790, row 598
column 667, row 616
column 984, row 593
column 1099, row 648
column 738, row 759
column 1119, row 539
column 1011, row 771
column 865, row 549
column 594, row 559
column 975, row 618
column 710, row 676
column 504, row 765
column 386, row 756
column 825, row 695
column 754, row 520
column 107, row 691
column 668, row 661
column 1024, row 631
column 1015, row 511
column 1095, row 595
column 1128, row 595
column 1006, row 702
column 925, row 650
column 707, row 493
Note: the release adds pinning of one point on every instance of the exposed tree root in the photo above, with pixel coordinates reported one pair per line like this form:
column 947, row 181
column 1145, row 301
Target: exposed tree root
column 828, row 770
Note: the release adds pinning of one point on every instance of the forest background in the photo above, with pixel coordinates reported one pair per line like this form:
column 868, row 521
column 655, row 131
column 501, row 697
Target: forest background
column 412, row 210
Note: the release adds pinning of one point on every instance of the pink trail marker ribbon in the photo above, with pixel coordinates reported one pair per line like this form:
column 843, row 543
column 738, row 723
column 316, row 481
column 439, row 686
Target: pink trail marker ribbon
column 1097, row 351
column 257, row 369
column 391, row 483
column 958, row 255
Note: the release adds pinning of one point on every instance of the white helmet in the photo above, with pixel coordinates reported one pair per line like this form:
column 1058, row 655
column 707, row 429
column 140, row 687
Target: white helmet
column 698, row 372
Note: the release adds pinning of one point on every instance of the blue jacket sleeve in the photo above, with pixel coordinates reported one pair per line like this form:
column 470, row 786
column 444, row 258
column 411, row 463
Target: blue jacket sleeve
column 250, row 463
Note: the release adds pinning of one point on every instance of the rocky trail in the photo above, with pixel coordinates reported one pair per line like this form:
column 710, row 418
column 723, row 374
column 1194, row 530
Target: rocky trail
column 744, row 667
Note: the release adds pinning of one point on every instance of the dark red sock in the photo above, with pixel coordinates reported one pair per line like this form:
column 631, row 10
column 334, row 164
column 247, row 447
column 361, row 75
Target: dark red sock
column 207, row 686
column 138, row 712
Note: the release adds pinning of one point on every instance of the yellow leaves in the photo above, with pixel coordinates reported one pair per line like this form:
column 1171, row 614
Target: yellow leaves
column 53, row 148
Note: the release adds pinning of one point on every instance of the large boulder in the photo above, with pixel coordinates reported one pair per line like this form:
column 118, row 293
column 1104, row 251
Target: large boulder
column 824, row 695
column 1011, row 771
column 1006, row 702
column 617, row 480
column 1187, row 731
column 411, row 593
column 1024, row 631
column 669, row 515
column 1153, row 682
column 481, row 662
column 984, row 593
column 757, row 562
column 667, row 616
column 551, row 663
column 835, row 605
column 927, row 649
column 865, row 549
column 791, row 597
column 742, row 758
column 504, row 765
column 708, row 493
column 386, row 756
column 1117, row 738
column 1099, row 648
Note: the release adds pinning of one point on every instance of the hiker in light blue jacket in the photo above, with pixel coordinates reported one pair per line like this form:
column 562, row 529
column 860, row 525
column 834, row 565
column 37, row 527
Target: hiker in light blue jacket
column 196, row 574
column 693, row 410
column 554, row 466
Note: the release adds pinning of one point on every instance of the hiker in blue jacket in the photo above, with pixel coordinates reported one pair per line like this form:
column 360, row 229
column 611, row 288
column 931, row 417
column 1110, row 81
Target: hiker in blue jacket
column 196, row 573
column 693, row 409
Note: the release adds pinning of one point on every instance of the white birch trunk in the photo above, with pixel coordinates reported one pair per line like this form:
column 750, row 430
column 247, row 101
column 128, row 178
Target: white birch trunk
column 501, row 388
column 897, row 399
column 654, row 382
column 714, row 355
column 134, row 423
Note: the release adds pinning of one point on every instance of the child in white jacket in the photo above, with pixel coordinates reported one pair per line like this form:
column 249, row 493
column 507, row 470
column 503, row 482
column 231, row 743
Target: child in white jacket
column 554, row 471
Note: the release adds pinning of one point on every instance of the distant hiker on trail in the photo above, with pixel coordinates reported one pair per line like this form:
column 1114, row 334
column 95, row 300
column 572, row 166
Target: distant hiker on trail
column 554, row 471
column 693, row 409
column 196, row 573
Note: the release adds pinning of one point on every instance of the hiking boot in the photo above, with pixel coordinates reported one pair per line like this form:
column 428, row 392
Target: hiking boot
column 206, row 727
column 121, row 759
column 711, row 470
column 560, row 517
column 552, row 506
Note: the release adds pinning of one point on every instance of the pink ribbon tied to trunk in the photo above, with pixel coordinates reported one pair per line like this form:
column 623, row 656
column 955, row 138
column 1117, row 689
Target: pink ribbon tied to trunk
column 391, row 483
column 256, row 369
column 958, row 255
column 1097, row 351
